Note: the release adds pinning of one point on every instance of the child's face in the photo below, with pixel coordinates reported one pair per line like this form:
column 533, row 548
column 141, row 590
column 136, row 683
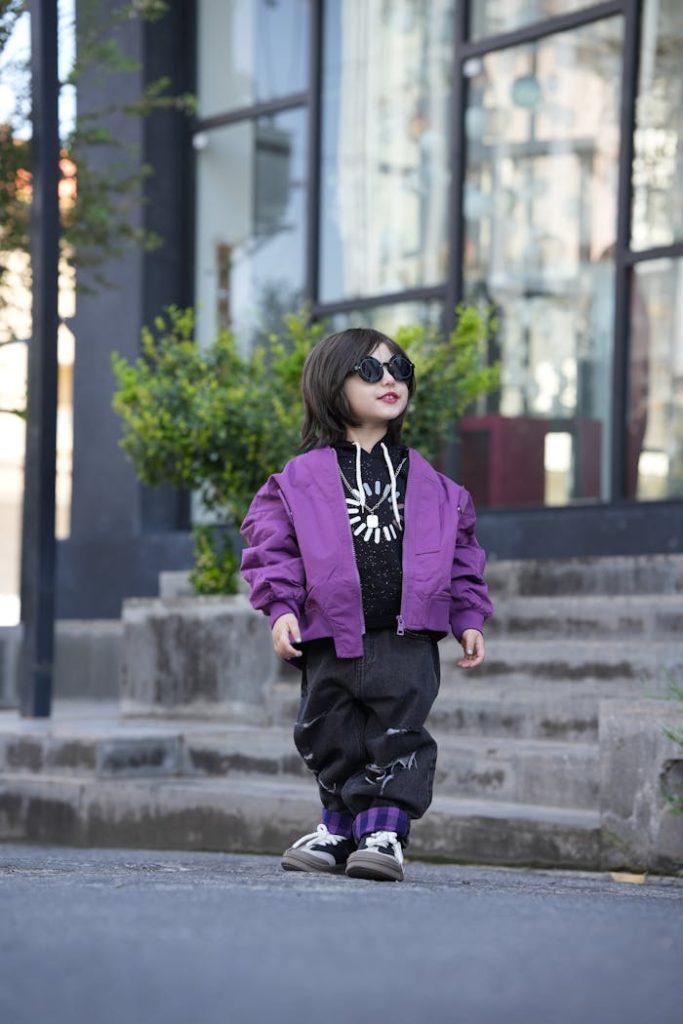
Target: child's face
column 375, row 405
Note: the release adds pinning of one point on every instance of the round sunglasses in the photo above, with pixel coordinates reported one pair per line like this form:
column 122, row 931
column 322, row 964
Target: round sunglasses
column 371, row 370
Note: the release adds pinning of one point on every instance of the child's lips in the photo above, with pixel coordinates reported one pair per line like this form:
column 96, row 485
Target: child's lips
column 390, row 398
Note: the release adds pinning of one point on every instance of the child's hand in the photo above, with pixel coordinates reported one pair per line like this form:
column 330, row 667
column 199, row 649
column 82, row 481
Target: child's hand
column 285, row 629
column 473, row 645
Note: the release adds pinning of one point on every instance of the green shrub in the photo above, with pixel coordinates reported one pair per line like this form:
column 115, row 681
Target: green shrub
column 211, row 420
column 217, row 422
column 216, row 561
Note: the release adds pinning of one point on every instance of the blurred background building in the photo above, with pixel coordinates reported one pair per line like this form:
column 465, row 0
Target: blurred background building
column 382, row 160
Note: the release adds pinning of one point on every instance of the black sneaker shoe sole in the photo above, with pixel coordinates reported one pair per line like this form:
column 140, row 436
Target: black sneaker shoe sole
column 301, row 860
column 377, row 867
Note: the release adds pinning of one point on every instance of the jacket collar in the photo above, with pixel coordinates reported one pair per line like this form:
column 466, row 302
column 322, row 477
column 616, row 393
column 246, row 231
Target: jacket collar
column 349, row 446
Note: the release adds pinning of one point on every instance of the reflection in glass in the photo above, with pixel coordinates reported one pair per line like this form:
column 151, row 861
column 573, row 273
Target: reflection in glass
column 489, row 17
column 249, row 51
column 384, row 190
column 655, row 424
column 388, row 319
column 250, row 225
column 540, row 213
column 658, row 140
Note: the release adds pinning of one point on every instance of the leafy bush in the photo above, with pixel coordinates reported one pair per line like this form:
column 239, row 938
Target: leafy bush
column 216, row 562
column 218, row 422
column 211, row 420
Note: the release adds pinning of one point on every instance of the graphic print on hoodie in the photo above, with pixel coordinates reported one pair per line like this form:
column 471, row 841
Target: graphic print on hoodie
column 377, row 538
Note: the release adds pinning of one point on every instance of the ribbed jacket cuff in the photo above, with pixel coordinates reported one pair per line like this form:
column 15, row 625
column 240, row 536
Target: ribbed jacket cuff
column 276, row 610
column 469, row 619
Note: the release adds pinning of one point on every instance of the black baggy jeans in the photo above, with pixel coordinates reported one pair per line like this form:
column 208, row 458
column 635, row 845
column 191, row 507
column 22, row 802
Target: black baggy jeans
column 361, row 722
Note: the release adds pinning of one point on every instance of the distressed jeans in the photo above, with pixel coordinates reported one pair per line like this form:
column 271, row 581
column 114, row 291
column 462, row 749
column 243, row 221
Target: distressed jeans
column 361, row 730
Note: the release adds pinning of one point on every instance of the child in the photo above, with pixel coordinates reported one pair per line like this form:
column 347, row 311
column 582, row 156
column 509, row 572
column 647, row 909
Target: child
column 363, row 556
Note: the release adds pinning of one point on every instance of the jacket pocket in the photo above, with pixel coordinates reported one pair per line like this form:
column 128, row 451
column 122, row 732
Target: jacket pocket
column 429, row 521
column 439, row 611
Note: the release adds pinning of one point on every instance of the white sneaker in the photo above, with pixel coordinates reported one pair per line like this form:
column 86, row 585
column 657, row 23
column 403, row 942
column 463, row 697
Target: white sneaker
column 320, row 851
column 379, row 856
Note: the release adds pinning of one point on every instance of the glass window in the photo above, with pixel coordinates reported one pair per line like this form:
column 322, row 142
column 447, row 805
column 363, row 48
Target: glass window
column 250, row 224
column 388, row 319
column 542, row 128
column 250, row 51
column 658, row 141
column 655, row 423
column 490, row 17
column 384, row 189
column 13, row 373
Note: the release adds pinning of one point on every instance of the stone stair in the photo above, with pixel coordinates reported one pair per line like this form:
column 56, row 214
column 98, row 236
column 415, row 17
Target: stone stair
column 519, row 754
column 244, row 789
column 519, row 769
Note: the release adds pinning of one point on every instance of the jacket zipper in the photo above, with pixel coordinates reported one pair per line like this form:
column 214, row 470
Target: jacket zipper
column 400, row 623
column 353, row 552
column 360, row 589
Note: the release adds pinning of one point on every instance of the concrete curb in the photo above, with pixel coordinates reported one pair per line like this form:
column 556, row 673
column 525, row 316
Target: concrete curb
column 265, row 817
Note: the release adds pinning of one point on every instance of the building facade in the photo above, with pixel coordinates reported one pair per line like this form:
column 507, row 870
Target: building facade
column 383, row 160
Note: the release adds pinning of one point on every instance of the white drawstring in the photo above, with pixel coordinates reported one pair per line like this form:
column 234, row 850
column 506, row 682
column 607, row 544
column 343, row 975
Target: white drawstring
column 359, row 477
column 393, row 483
column 392, row 476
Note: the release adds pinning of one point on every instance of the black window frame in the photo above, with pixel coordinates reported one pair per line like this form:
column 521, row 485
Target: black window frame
column 620, row 525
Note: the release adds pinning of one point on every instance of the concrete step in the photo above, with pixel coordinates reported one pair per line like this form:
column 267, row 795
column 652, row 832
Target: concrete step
column 588, row 617
column 10, row 646
column 644, row 669
column 136, row 753
column 535, row 688
column 87, row 660
column 543, row 772
column 515, row 770
column 548, row 772
column 563, row 711
column 513, row 834
column 243, row 751
column 146, row 749
column 121, row 749
column 627, row 574
column 245, row 815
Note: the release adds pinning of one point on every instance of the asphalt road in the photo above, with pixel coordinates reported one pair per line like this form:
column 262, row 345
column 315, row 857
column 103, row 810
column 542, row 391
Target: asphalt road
column 128, row 936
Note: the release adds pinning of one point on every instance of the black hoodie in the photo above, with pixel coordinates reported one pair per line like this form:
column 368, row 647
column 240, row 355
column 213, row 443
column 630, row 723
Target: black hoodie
column 378, row 547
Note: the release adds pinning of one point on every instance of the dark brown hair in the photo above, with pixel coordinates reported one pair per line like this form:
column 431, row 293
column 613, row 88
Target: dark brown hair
column 328, row 364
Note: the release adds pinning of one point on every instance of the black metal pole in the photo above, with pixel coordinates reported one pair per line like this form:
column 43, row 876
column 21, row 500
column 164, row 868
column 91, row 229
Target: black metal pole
column 456, row 225
column 314, row 149
column 38, row 525
column 624, row 272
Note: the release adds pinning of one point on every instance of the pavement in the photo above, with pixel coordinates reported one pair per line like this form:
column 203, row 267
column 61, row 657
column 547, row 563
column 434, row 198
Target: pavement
column 109, row 936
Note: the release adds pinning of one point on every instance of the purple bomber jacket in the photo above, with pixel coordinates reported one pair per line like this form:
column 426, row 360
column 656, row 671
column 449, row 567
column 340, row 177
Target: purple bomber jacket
column 300, row 556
